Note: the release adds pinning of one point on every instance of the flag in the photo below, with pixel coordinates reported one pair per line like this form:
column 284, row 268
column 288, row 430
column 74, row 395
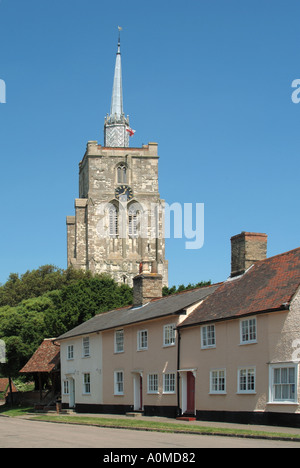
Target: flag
column 130, row 131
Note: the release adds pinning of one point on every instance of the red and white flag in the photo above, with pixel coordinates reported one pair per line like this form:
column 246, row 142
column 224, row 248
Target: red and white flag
column 130, row 131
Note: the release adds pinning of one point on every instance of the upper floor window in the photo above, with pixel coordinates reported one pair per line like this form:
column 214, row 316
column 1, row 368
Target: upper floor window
column 142, row 340
column 169, row 335
column 119, row 341
column 248, row 331
column 122, row 174
column 86, row 347
column 70, row 352
column 208, row 336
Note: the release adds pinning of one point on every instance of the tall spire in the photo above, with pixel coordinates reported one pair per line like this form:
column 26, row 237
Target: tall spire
column 116, row 125
column 117, row 95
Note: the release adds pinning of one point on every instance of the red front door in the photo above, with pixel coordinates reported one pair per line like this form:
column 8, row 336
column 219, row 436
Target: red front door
column 190, row 407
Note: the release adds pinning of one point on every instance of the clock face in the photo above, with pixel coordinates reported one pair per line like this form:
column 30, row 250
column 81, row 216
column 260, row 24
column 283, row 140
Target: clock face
column 124, row 191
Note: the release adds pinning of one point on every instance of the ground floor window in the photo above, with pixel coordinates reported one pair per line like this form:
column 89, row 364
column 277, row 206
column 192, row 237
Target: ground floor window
column 169, row 383
column 218, row 381
column 119, row 382
column 152, row 383
column 283, row 383
column 66, row 387
column 86, row 383
column 246, row 380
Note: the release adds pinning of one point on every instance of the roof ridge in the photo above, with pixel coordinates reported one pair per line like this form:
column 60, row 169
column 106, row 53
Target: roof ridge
column 185, row 291
column 277, row 255
column 161, row 298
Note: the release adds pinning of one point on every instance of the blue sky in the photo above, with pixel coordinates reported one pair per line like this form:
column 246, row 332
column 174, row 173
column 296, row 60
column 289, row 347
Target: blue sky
column 208, row 80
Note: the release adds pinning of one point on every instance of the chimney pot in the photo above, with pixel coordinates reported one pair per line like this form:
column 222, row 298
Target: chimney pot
column 246, row 249
column 146, row 286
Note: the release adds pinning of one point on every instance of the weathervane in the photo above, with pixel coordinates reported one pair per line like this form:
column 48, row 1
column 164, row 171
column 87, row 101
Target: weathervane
column 120, row 29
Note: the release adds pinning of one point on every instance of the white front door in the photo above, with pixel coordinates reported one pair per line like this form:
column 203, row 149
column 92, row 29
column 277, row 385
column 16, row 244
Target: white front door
column 137, row 392
column 72, row 393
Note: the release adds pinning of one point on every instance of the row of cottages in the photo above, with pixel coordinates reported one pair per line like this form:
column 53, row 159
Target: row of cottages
column 227, row 352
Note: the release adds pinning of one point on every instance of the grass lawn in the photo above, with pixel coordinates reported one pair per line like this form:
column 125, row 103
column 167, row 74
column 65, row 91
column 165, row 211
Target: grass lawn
column 7, row 410
column 163, row 426
column 139, row 424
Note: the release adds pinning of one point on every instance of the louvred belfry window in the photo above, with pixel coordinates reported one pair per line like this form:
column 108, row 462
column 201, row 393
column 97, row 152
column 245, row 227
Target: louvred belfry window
column 122, row 174
column 113, row 222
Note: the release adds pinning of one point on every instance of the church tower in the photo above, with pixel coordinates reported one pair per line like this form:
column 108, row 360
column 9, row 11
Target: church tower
column 119, row 216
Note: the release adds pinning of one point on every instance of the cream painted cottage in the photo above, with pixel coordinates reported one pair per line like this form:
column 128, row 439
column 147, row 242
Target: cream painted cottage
column 230, row 351
column 127, row 359
column 247, row 337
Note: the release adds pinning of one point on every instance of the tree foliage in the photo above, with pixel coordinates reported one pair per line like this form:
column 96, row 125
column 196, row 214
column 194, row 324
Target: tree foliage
column 47, row 302
column 173, row 290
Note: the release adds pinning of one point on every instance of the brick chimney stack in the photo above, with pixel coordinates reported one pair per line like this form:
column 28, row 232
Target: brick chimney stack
column 246, row 249
column 147, row 285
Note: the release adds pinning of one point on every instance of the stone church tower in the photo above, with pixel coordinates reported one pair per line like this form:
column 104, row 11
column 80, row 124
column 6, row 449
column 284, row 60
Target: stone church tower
column 119, row 216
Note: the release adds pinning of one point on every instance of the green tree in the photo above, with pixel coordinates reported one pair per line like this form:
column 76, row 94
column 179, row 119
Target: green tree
column 80, row 301
column 173, row 290
column 78, row 297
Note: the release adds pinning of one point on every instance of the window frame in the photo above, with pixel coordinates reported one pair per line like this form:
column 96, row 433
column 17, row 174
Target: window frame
column 122, row 174
column 118, row 383
column 272, row 391
column 70, row 352
column 212, row 345
column 217, row 391
column 152, row 383
column 248, row 332
column 86, row 348
column 169, row 383
column 140, row 340
column 133, row 223
column 86, row 384
column 117, row 343
column 248, row 383
column 66, row 387
column 113, row 222
column 171, row 335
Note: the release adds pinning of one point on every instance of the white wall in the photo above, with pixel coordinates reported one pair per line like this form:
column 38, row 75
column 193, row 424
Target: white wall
column 76, row 367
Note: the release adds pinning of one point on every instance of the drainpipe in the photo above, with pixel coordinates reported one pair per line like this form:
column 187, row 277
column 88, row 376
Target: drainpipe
column 178, row 374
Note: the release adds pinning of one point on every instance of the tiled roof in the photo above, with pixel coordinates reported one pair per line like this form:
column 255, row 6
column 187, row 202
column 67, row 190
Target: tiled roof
column 269, row 285
column 45, row 359
column 4, row 385
column 157, row 308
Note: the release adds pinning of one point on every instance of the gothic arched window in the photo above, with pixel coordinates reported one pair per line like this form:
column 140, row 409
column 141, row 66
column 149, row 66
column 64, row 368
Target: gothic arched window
column 113, row 221
column 133, row 221
column 122, row 174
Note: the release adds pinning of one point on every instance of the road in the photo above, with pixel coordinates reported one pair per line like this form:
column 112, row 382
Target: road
column 20, row 433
